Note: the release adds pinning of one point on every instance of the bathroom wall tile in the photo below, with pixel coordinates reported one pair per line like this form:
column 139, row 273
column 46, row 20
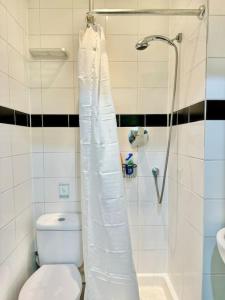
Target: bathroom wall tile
column 151, row 214
column 149, row 26
column 37, row 140
column 59, row 165
column 214, row 216
column 61, row 207
column 38, row 190
column 7, row 237
column 21, row 140
column 18, row 96
column 7, row 210
column 15, row 35
column 216, row 25
column 123, row 74
column 149, row 160
column 214, row 143
column 155, row 261
column 59, row 41
column 153, row 74
column 216, row 7
column 56, row 4
column 215, row 79
column 22, row 196
column 153, row 100
column 58, row 101
column 3, row 22
column 4, row 55
column 37, row 165
column 189, row 166
column 122, row 25
column 49, row 21
column 52, row 136
column 5, row 137
column 34, row 21
column 57, row 74
column 21, row 168
column 125, row 100
column 122, row 47
column 158, row 243
column 16, row 66
column 214, row 187
column 4, row 90
column 6, row 173
column 23, row 224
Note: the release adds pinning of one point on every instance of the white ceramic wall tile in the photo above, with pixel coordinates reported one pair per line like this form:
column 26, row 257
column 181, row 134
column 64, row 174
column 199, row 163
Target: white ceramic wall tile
column 37, row 140
column 153, row 100
column 125, row 100
column 160, row 238
column 214, row 143
column 15, row 34
column 152, row 260
column 6, row 172
column 7, row 237
column 153, row 74
column 4, row 56
column 3, row 22
column 216, row 7
column 7, row 209
column 214, row 185
column 216, row 79
column 49, row 21
column 149, row 160
column 153, row 25
column 37, row 165
column 21, row 168
column 4, row 90
column 38, row 190
column 22, row 196
column 121, row 47
column 16, row 255
column 57, row 74
column 59, row 165
column 216, row 25
column 123, row 74
column 52, row 136
column 214, row 216
column 56, row 4
column 68, row 207
column 122, row 25
column 58, row 101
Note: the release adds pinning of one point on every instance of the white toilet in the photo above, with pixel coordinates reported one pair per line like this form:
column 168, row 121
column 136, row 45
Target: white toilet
column 59, row 244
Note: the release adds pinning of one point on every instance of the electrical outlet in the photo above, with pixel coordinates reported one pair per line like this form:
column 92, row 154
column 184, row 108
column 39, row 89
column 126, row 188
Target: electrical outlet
column 64, row 190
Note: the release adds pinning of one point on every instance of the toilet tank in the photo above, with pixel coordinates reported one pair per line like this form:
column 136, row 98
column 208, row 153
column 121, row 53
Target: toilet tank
column 59, row 239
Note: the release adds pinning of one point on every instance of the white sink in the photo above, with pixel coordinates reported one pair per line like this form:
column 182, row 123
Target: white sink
column 220, row 237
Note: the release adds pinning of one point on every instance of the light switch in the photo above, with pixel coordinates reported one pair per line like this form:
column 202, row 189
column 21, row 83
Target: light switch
column 64, row 190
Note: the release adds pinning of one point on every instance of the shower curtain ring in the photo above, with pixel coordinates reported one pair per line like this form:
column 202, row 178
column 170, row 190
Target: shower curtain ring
column 90, row 19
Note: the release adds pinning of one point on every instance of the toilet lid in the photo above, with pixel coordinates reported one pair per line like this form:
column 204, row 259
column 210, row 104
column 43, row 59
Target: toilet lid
column 55, row 282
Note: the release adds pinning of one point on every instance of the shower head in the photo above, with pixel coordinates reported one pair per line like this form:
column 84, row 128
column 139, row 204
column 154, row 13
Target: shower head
column 143, row 44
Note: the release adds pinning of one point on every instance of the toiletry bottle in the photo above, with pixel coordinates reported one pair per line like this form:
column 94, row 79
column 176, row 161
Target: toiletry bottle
column 129, row 164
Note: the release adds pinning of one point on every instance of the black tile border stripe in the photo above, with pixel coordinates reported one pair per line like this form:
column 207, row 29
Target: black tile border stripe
column 204, row 110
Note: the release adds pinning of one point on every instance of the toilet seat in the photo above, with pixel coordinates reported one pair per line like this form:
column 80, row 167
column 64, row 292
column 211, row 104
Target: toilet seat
column 55, row 282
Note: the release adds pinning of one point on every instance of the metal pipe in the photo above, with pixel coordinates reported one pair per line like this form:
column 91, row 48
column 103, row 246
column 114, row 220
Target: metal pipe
column 91, row 5
column 200, row 13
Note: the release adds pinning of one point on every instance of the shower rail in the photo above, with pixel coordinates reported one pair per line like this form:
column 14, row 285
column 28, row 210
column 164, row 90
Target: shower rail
column 200, row 12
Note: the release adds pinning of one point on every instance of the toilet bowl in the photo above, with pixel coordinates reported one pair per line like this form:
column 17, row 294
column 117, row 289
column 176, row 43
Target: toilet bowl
column 55, row 282
column 59, row 247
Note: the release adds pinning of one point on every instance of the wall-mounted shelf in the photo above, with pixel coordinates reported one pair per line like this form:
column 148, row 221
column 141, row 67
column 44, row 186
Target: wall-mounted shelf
column 49, row 53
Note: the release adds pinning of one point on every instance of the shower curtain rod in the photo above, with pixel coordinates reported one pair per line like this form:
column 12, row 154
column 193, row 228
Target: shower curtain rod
column 200, row 13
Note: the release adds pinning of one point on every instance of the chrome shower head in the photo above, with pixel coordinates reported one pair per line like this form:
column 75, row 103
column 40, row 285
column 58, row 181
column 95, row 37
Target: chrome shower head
column 143, row 44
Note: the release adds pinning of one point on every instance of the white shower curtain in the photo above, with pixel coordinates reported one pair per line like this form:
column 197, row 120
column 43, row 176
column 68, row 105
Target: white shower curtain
column 109, row 268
